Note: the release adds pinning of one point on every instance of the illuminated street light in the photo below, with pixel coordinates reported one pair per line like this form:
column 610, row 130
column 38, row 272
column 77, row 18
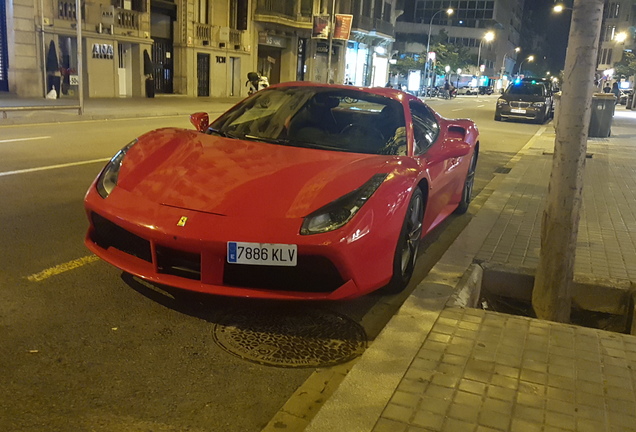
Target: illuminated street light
column 530, row 59
column 449, row 12
column 503, row 65
column 558, row 8
column 620, row 37
column 488, row 37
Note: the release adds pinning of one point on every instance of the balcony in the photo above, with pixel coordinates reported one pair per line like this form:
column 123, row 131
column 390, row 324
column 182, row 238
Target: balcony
column 283, row 11
column 369, row 25
column 276, row 7
column 66, row 10
column 207, row 34
column 127, row 19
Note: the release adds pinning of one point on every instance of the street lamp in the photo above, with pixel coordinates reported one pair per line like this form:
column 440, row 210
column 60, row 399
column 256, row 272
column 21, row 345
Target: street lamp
column 620, row 37
column 488, row 37
column 449, row 12
column 503, row 65
column 530, row 59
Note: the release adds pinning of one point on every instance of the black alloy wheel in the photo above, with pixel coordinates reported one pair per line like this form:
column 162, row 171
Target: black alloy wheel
column 467, row 191
column 408, row 244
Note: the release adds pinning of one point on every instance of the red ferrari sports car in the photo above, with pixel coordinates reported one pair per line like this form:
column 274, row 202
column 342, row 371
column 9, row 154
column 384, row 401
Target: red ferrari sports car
column 301, row 191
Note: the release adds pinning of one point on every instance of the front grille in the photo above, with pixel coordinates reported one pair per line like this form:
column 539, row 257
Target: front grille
column 178, row 263
column 311, row 274
column 520, row 104
column 107, row 234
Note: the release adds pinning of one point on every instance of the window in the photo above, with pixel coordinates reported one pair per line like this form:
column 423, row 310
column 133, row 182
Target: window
column 425, row 128
column 201, row 12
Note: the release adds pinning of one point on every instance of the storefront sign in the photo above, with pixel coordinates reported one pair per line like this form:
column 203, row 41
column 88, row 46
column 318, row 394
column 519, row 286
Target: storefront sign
column 271, row 40
column 323, row 48
column 108, row 15
column 342, row 29
column 103, row 51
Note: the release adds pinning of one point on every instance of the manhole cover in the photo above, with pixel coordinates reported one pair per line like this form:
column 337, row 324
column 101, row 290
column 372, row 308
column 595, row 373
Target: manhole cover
column 303, row 338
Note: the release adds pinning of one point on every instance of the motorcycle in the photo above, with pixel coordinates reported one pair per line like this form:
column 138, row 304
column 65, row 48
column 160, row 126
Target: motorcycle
column 256, row 82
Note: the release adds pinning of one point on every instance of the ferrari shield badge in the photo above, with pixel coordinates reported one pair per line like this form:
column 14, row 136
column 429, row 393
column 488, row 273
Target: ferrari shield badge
column 182, row 221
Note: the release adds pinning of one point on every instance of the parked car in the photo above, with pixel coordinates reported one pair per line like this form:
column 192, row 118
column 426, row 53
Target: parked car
column 525, row 100
column 300, row 191
column 467, row 90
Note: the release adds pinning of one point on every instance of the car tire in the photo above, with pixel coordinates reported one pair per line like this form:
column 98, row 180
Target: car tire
column 407, row 245
column 497, row 117
column 541, row 119
column 469, row 183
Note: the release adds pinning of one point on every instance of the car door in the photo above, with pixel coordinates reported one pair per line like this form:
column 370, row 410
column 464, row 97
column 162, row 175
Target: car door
column 428, row 146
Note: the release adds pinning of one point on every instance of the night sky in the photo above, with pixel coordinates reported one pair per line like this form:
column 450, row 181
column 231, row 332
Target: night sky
column 555, row 27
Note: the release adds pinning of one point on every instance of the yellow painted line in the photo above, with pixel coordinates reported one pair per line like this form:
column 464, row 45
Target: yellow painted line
column 61, row 268
column 66, row 165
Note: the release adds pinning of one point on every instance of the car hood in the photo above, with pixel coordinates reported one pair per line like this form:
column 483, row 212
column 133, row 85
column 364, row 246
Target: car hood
column 523, row 98
column 212, row 174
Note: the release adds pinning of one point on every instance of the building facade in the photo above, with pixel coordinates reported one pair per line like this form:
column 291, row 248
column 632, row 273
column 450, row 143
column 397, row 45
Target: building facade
column 132, row 48
column 618, row 35
column 467, row 26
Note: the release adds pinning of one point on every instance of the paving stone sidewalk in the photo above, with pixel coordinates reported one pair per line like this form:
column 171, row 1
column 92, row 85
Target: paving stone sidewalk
column 472, row 370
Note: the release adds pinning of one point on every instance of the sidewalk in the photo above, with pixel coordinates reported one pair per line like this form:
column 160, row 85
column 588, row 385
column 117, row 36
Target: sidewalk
column 440, row 367
column 65, row 110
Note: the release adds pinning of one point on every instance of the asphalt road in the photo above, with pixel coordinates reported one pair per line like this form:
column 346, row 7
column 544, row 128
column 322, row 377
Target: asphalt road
column 87, row 348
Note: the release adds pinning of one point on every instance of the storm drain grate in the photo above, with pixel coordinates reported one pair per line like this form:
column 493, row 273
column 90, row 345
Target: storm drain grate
column 297, row 339
column 502, row 170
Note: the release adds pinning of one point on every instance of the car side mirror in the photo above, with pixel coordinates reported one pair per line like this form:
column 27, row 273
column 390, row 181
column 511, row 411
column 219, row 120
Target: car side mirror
column 200, row 121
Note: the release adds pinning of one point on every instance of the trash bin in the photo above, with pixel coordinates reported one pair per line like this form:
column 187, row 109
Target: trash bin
column 630, row 101
column 603, row 105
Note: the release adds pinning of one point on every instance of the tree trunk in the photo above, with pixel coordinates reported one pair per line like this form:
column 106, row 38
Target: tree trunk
column 551, row 297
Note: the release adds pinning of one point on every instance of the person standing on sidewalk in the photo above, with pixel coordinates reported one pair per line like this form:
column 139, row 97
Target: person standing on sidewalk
column 616, row 91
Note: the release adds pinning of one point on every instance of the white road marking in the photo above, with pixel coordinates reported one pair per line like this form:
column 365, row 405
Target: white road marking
column 66, row 165
column 24, row 139
column 458, row 109
column 61, row 268
column 479, row 106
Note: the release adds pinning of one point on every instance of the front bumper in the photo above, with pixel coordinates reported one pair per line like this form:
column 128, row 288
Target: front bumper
column 144, row 240
column 525, row 113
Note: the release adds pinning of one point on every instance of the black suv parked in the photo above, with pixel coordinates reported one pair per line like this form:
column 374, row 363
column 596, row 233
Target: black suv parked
column 526, row 99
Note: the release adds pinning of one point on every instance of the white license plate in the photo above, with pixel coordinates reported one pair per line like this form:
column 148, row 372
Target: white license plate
column 517, row 110
column 262, row 254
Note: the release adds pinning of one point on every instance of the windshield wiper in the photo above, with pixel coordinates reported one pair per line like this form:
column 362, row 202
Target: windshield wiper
column 221, row 133
column 267, row 140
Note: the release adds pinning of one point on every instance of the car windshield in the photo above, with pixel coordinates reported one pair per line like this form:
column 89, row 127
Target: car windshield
column 527, row 88
column 326, row 118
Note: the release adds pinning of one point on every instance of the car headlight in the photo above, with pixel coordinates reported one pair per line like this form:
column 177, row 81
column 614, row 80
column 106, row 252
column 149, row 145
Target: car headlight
column 502, row 102
column 538, row 104
column 339, row 212
column 108, row 178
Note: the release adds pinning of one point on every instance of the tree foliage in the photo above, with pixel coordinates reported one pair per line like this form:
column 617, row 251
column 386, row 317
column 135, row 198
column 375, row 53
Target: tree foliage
column 450, row 54
column 627, row 65
column 453, row 55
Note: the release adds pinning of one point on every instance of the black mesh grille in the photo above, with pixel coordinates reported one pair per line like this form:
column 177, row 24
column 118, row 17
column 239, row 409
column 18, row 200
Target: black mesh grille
column 311, row 274
column 178, row 263
column 106, row 234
